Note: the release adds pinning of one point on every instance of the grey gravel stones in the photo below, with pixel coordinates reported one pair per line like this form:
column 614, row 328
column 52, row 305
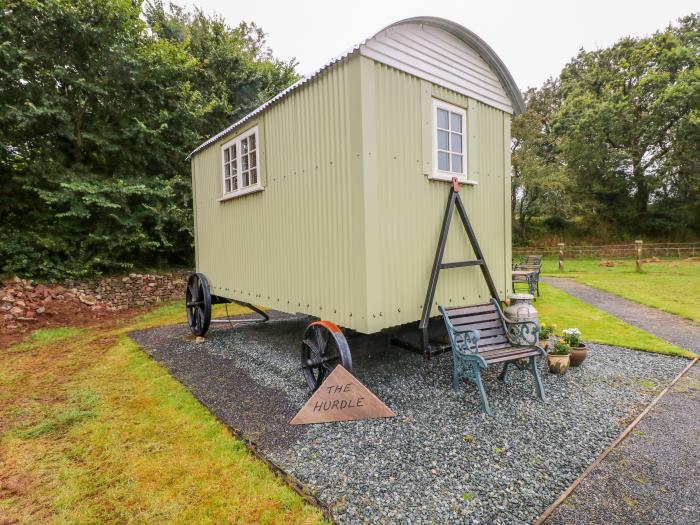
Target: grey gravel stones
column 440, row 460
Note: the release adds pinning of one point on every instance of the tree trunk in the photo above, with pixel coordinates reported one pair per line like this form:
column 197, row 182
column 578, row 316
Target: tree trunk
column 641, row 196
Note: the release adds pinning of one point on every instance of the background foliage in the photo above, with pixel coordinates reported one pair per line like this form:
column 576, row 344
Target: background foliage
column 612, row 146
column 101, row 100
column 99, row 106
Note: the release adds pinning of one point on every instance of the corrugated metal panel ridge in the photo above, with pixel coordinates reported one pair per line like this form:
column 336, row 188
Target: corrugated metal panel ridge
column 461, row 32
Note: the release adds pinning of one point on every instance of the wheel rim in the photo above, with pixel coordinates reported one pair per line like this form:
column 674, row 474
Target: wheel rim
column 322, row 349
column 198, row 304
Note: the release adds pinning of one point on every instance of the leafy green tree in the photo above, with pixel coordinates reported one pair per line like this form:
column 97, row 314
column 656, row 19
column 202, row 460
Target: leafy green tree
column 541, row 184
column 626, row 117
column 97, row 113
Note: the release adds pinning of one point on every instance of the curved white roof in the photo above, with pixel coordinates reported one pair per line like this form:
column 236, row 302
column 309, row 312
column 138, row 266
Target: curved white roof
column 459, row 60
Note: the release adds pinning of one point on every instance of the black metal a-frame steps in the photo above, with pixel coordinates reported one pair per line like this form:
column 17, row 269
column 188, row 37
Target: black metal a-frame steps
column 429, row 347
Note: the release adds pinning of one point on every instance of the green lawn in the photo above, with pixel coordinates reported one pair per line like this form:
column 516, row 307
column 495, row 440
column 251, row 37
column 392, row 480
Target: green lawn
column 671, row 285
column 94, row 431
column 558, row 308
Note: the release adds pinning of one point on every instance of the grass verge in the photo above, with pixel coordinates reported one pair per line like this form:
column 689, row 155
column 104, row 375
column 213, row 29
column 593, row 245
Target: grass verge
column 556, row 307
column 93, row 431
column 670, row 285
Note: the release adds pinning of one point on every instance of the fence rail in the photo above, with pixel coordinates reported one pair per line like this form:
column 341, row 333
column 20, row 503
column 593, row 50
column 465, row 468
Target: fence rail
column 666, row 249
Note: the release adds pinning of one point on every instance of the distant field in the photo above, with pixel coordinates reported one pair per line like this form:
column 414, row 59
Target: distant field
column 671, row 285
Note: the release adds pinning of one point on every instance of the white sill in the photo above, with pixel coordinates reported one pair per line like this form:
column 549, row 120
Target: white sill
column 240, row 193
column 447, row 177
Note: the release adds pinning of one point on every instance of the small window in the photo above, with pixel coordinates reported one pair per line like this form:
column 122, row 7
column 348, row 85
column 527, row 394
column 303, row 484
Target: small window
column 240, row 164
column 450, row 141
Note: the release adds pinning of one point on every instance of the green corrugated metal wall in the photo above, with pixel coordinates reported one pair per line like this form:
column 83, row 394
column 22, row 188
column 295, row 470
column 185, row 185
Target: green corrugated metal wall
column 347, row 225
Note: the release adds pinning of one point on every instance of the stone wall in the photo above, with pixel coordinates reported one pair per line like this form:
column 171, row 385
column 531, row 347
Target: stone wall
column 136, row 289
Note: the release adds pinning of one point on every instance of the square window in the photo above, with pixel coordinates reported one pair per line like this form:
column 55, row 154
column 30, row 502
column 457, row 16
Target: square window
column 449, row 133
column 240, row 171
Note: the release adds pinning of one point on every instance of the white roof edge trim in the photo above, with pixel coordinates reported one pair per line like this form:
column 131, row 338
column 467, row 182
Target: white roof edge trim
column 457, row 30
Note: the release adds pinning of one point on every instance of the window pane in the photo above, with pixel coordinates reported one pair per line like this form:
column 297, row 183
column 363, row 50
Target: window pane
column 251, row 139
column 244, row 162
column 443, row 161
column 234, row 166
column 244, row 146
column 443, row 140
column 227, row 155
column 246, row 179
column 253, row 176
column 233, row 152
column 456, row 122
column 227, row 171
column 253, row 160
column 442, row 119
column 227, row 184
column 457, row 164
column 456, row 142
column 234, row 183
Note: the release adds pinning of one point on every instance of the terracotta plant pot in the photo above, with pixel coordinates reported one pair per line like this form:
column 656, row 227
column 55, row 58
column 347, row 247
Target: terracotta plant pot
column 578, row 355
column 558, row 364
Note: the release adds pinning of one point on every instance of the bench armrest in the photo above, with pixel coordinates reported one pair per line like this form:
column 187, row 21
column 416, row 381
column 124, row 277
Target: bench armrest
column 467, row 340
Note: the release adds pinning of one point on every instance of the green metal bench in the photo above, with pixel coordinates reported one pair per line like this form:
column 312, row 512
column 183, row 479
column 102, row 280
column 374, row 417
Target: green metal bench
column 532, row 264
column 482, row 336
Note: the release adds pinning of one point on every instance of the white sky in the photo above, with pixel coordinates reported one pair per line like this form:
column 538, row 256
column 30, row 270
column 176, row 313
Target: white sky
column 534, row 38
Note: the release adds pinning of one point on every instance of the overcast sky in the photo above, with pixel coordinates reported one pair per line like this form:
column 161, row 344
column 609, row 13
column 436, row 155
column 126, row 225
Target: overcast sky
column 534, row 38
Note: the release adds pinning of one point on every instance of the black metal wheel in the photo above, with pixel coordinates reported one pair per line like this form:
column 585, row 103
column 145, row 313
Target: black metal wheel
column 198, row 304
column 322, row 349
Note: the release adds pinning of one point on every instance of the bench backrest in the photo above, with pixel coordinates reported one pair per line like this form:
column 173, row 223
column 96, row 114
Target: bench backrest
column 486, row 318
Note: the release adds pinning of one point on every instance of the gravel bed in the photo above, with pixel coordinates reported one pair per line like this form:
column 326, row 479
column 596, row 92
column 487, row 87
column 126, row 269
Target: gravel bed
column 440, row 460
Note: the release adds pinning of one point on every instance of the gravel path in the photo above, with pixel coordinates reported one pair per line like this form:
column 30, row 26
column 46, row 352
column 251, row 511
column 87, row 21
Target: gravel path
column 673, row 328
column 440, row 460
column 653, row 476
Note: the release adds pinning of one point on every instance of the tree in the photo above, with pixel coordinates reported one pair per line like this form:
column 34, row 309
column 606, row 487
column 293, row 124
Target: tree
column 541, row 184
column 625, row 116
column 97, row 113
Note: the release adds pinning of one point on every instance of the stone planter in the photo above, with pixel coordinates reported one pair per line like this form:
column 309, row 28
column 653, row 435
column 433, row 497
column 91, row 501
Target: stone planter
column 578, row 355
column 558, row 364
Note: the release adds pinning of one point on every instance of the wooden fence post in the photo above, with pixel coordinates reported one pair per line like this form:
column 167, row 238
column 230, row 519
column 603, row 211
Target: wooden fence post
column 561, row 256
column 638, row 246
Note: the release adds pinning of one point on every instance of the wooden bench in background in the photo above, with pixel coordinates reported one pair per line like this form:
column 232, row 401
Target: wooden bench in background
column 482, row 336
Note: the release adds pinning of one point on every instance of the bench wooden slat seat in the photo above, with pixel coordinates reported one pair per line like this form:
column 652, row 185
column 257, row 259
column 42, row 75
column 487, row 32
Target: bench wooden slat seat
column 481, row 336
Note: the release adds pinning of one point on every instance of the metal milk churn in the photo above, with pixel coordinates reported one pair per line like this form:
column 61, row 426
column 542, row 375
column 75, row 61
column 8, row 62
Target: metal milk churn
column 521, row 309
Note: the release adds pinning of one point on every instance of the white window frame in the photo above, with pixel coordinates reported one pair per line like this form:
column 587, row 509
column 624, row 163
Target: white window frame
column 241, row 190
column 438, row 174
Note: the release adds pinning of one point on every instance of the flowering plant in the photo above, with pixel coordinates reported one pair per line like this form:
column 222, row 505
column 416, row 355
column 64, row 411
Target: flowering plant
column 572, row 336
column 560, row 348
column 546, row 331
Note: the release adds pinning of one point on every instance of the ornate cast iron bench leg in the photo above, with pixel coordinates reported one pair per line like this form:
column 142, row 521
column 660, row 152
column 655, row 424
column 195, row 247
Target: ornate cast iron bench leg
column 538, row 380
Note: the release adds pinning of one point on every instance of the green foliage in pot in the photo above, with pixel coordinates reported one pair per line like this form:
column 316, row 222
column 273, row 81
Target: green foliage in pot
column 546, row 331
column 572, row 337
column 560, row 348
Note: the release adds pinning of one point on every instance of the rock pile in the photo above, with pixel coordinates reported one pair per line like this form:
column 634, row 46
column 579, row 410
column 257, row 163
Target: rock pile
column 22, row 302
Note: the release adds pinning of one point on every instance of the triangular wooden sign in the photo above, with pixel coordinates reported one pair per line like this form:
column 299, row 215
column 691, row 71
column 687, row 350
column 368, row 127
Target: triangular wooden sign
column 341, row 397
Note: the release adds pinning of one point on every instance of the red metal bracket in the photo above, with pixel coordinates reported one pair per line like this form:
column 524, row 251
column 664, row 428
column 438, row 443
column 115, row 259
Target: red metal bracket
column 455, row 185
